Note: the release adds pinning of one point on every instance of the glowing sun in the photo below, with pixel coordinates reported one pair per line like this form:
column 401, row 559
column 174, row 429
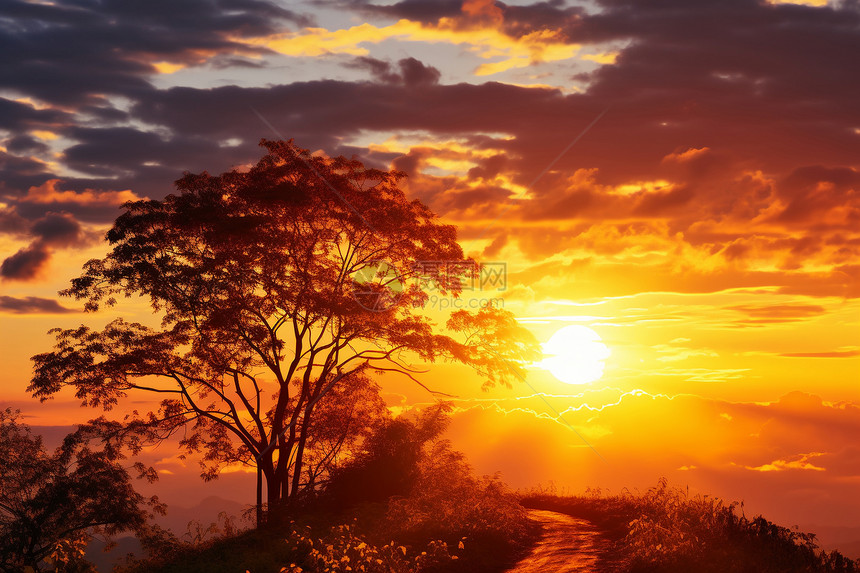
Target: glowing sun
column 575, row 355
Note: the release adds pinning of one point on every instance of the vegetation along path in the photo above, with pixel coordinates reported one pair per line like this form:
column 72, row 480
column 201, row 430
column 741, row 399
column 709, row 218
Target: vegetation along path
column 567, row 545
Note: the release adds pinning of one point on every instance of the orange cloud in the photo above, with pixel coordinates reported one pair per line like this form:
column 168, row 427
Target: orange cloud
column 831, row 354
column 798, row 462
column 687, row 155
column 483, row 8
column 49, row 192
column 602, row 58
column 167, row 67
column 816, row 3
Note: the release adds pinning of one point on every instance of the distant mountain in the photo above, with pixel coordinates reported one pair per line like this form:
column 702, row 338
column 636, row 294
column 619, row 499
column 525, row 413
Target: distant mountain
column 104, row 562
column 844, row 539
column 177, row 520
column 205, row 512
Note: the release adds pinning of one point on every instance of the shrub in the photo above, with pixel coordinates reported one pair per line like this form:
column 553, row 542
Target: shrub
column 665, row 530
column 448, row 499
column 343, row 549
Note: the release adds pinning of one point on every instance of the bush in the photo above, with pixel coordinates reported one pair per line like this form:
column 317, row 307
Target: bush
column 427, row 488
column 409, row 485
column 343, row 549
column 419, row 508
column 51, row 505
column 665, row 530
column 448, row 499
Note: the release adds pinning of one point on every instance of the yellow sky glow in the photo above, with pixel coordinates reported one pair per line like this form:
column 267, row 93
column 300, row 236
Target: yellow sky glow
column 486, row 43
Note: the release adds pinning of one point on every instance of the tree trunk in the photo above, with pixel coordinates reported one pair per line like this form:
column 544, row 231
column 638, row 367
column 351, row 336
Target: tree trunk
column 259, row 497
column 300, row 452
column 273, row 500
column 266, row 469
column 284, row 457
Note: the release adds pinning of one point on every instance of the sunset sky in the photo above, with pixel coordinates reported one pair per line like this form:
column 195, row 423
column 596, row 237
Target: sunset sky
column 681, row 177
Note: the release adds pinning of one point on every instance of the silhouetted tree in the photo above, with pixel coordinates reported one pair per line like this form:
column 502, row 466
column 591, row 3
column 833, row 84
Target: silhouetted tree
column 428, row 489
column 275, row 285
column 388, row 463
column 341, row 425
column 50, row 505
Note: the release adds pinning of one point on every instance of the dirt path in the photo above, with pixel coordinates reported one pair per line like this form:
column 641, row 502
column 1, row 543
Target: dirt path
column 568, row 545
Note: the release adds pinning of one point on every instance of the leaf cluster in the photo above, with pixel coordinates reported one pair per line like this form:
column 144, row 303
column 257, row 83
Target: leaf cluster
column 52, row 503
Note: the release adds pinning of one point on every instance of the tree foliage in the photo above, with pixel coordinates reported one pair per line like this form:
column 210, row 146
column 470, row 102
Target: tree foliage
column 388, row 463
column 341, row 425
column 275, row 285
column 51, row 504
column 428, row 488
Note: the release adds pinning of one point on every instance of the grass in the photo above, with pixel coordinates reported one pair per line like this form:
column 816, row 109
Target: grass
column 444, row 519
column 664, row 530
column 323, row 543
column 255, row 551
column 476, row 526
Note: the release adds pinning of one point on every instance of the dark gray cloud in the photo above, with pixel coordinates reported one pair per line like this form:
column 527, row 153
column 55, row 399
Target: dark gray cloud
column 32, row 305
column 58, row 229
column 85, row 200
column 425, row 11
column 25, row 264
column 119, row 151
column 518, row 21
column 52, row 231
column 18, row 173
column 413, row 73
column 18, row 116
column 73, row 52
column 11, row 222
column 764, row 87
column 380, row 70
column 713, row 76
column 319, row 113
column 25, row 144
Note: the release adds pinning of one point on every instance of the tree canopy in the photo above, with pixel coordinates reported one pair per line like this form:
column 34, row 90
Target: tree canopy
column 51, row 504
column 275, row 285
